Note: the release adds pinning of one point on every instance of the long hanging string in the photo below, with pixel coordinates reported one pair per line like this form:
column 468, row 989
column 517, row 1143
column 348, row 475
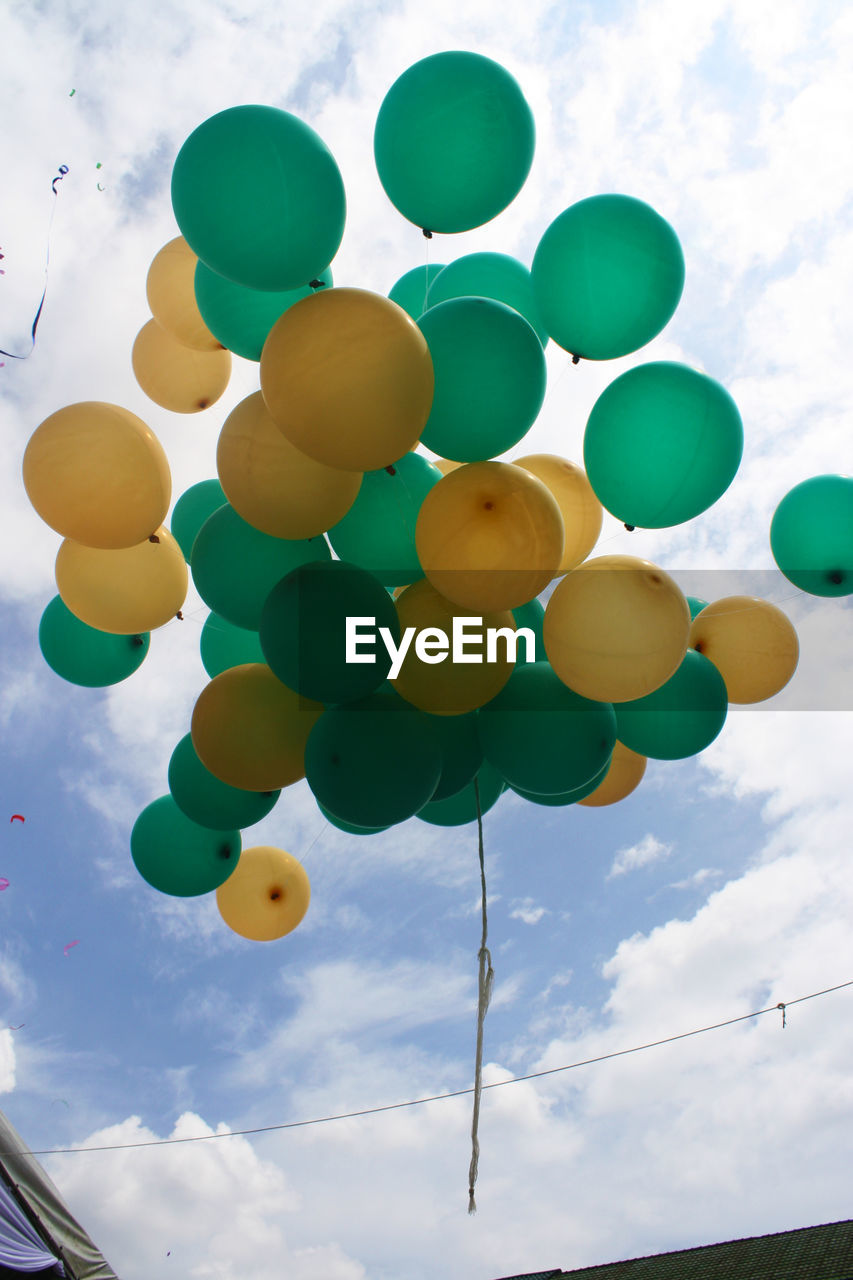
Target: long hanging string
column 486, row 978
column 63, row 169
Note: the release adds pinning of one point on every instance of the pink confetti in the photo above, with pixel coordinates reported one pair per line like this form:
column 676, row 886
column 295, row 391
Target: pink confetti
column 69, row 945
column 4, row 883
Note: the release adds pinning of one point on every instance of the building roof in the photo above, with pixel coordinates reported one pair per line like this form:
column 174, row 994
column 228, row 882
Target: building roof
column 822, row 1252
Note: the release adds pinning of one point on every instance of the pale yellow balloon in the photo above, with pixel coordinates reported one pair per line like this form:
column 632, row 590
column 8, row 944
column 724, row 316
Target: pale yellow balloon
column 250, row 730
column 177, row 377
column 489, row 536
column 581, row 511
column 266, row 896
column 445, row 465
column 751, row 642
column 96, row 473
column 347, row 375
column 127, row 591
column 449, row 688
column 170, row 288
column 616, row 628
column 271, row 484
column 624, row 775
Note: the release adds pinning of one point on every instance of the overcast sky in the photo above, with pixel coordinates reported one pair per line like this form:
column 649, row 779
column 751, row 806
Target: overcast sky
column 721, row 887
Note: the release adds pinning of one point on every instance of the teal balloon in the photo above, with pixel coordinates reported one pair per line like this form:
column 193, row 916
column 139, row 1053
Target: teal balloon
column 378, row 531
column 303, row 631
column 349, row 827
column 412, row 290
column 83, row 655
column 811, row 535
column 209, row 802
column 373, row 762
column 680, row 718
column 179, row 857
column 235, row 566
column 662, row 444
column 454, row 141
column 608, row 275
column 461, row 808
column 543, row 737
column 489, row 378
column 241, row 318
column 695, row 605
column 192, row 509
column 461, row 753
column 224, row 645
column 490, row 275
column 566, row 797
column 259, row 198
column 532, row 616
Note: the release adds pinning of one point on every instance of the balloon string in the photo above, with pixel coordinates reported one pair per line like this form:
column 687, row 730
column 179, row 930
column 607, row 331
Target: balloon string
column 486, row 979
column 63, row 169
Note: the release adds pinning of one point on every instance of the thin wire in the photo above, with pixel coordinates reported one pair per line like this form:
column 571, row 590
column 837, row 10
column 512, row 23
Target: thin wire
column 436, row 1097
column 485, row 980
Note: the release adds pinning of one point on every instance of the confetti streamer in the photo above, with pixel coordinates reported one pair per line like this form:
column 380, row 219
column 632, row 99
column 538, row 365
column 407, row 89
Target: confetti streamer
column 63, row 169
column 4, row 883
column 69, row 945
column 17, row 816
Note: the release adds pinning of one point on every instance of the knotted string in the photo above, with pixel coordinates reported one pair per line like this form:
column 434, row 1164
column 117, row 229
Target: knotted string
column 486, row 978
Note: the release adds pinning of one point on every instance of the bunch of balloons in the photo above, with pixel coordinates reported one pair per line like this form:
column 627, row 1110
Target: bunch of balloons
column 375, row 622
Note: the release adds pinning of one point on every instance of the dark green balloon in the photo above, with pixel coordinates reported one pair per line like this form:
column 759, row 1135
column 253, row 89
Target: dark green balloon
column 83, row 655
column 607, row 274
column 490, row 275
column 258, row 196
column 489, row 378
column 680, row 718
column 349, row 827
column 224, row 645
column 531, row 615
column 453, row 142
column 811, row 535
column 542, row 736
column 179, row 857
column 239, row 317
column 303, row 631
column 378, row 531
column 461, row 753
column 662, row 444
column 461, row 808
column 192, row 509
column 695, row 605
column 412, row 290
column 373, row 762
column 235, row 566
column 209, row 802
column 566, row 797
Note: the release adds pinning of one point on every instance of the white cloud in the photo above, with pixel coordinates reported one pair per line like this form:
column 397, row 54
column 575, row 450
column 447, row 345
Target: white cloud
column 641, row 854
column 528, row 912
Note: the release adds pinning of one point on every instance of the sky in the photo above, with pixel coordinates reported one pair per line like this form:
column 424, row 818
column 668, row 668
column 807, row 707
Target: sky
column 719, row 888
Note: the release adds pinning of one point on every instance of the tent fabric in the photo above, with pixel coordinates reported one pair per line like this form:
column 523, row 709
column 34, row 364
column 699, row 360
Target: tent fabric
column 21, row 1247
column 27, row 1182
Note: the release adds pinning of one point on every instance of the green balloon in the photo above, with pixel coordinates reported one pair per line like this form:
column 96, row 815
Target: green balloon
column 235, row 566
column 378, row 531
column 489, row 378
column 680, row 718
column 224, row 645
column 412, row 290
column 349, row 827
column 531, row 615
column 209, row 802
column 454, row 141
column 83, row 655
column 179, row 857
column 566, row 797
column 542, row 736
column 607, row 274
column 811, row 535
column 461, row 753
column 461, row 808
column 241, row 318
column 695, row 605
column 259, row 198
column 662, row 444
column 373, row 762
column 304, row 624
column 490, row 275
column 192, row 509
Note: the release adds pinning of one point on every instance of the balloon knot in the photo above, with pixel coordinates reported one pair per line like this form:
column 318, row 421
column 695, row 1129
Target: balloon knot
column 316, row 284
column 392, row 471
column 576, row 359
column 836, row 577
column 428, row 234
column 179, row 616
column 137, row 640
column 153, row 538
column 630, row 527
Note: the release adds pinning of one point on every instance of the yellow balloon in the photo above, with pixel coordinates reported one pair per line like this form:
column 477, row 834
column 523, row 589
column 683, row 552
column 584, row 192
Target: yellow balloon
column 449, row 688
column 623, row 776
column 581, row 511
column 171, row 296
column 271, row 484
column 176, row 377
column 347, row 375
column 127, row 591
column 266, row 895
column 445, row 465
column 616, row 628
column 489, row 536
column 96, row 473
column 250, row 730
column 752, row 644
